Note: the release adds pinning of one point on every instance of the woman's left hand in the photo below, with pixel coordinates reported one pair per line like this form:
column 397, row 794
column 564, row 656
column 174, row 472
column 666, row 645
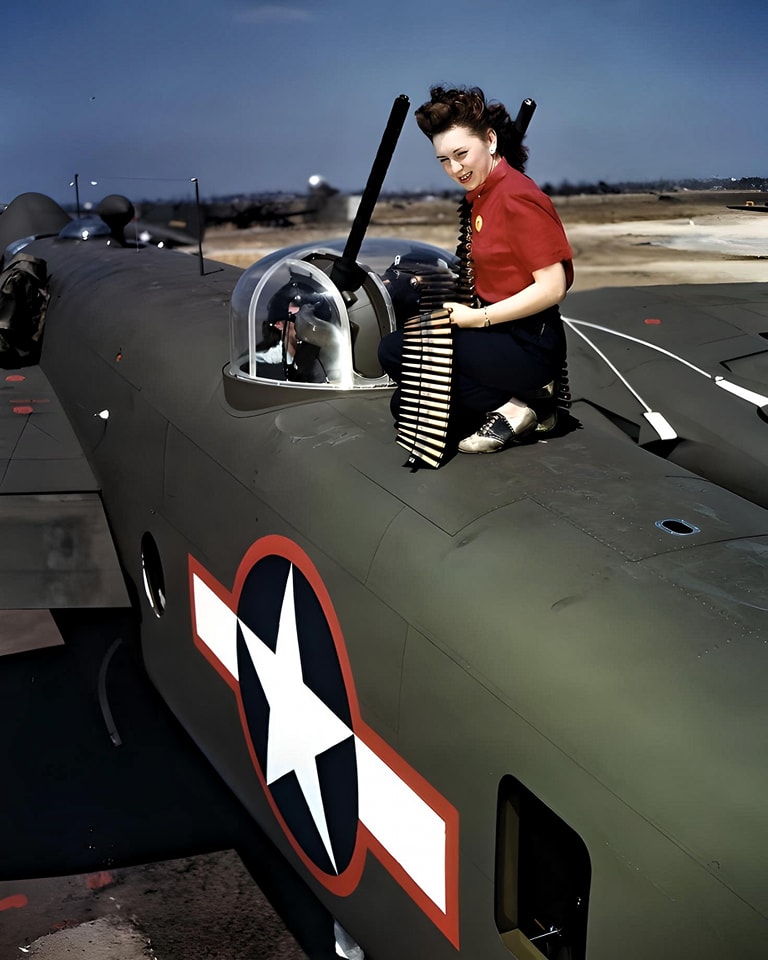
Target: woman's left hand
column 464, row 316
column 548, row 288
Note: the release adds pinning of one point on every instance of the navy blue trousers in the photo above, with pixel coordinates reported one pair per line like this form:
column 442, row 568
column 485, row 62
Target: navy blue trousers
column 491, row 365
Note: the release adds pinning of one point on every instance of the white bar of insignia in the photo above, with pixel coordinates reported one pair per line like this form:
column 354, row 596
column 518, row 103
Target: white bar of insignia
column 404, row 824
column 216, row 625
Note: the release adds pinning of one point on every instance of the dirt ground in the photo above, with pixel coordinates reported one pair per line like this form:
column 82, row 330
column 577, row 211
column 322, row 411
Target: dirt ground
column 206, row 907
column 197, row 908
column 617, row 240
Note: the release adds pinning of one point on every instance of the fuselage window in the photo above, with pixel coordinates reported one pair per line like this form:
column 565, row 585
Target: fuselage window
column 152, row 574
column 542, row 879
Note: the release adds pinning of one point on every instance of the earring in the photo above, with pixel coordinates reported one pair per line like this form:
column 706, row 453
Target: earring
column 493, row 149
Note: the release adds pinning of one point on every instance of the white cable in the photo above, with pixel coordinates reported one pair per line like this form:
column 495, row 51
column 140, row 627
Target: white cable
column 733, row 388
column 657, row 420
column 644, row 343
column 605, row 359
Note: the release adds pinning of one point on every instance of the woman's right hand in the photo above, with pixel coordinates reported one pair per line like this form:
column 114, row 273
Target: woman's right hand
column 463, row 316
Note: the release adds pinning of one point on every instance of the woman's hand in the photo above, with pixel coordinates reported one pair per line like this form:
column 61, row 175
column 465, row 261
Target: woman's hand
column 464, row 316
column 547, row 290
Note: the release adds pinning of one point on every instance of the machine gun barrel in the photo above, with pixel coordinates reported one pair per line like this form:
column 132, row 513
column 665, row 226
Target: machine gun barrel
column 346, row 274
column 524, row 114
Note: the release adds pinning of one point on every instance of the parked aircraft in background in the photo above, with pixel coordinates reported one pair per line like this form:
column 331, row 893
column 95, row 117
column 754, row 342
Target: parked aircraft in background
column 750, row 206
column 176, row 224
column 183, row 222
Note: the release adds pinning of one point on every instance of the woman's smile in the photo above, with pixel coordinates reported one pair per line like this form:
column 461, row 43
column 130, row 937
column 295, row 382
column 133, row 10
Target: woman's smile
column 464, row 156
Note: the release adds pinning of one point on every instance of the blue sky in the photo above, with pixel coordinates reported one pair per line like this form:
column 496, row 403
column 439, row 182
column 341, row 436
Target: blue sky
column 251, row 96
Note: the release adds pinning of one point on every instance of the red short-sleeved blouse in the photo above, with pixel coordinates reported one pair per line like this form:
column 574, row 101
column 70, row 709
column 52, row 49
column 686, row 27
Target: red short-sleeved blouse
column 515, row 230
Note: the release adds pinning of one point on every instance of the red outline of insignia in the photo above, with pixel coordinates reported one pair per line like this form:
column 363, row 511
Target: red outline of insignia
column 346, row 882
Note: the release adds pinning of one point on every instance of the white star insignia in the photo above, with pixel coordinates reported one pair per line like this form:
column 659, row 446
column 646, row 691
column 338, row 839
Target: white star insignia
column 301, row 726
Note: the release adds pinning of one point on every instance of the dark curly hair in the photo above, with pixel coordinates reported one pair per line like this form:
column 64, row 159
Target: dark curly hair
column 467, row 107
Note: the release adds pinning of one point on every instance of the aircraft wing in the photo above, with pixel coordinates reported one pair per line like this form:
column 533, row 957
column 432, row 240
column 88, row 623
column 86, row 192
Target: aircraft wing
column 683, row 369
column 56, row 551
column 73, row 801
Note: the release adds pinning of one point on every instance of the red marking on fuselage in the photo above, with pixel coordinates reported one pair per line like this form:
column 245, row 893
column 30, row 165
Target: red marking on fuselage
column 16, row 902
column 15, row 378
column 26, row 406
column 652, row 321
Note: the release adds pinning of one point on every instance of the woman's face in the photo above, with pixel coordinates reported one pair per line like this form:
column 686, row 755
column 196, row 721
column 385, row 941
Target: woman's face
column 464, row 156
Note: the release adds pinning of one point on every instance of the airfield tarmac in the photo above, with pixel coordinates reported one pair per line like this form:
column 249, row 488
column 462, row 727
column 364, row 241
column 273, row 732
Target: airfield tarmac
column 208, row 907
column 618, row 240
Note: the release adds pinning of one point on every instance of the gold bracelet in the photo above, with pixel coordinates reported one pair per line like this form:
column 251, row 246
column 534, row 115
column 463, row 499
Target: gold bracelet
column 487, row 318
